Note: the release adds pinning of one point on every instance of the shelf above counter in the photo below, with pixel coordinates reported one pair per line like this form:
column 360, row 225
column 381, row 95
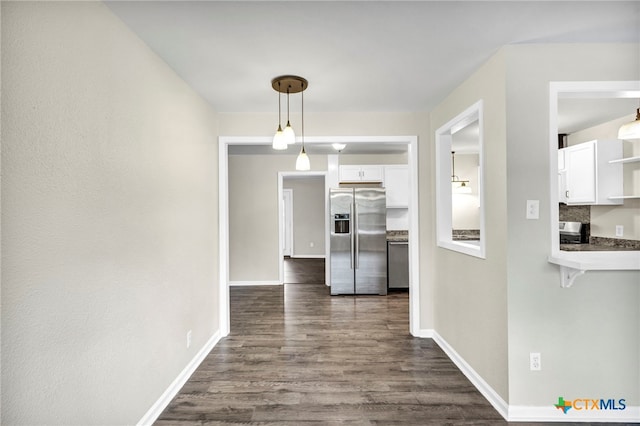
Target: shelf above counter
column 625, row 160
column 624, row 197
column 575, row 263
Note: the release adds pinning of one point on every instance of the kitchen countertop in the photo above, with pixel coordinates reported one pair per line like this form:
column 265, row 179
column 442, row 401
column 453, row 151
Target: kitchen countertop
column 603, row 244
column 592, row 247
column 465, row 234
column 398, row 236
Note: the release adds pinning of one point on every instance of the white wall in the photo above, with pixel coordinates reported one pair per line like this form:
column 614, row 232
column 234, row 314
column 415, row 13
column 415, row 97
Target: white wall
column 360, row 159
column 109, row 218
column 588, row 335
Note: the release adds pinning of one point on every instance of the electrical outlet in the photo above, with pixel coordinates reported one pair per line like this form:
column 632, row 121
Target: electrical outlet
column 533, row 209
column 619, row 230
column 535, row 361
column 188, row 339
column 312, row 244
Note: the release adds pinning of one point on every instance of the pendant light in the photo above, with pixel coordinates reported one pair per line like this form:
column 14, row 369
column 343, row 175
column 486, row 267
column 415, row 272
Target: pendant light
column 289, row 134
column 458, row 186
column 291, row 84
column 631, row 130
column 302, row 162
column 278, row 139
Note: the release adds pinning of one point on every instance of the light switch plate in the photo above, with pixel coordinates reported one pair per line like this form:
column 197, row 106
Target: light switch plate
column 533, row 209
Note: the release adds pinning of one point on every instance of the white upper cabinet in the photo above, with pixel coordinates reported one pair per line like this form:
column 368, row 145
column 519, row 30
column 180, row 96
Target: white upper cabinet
column 562, row 178
column 358, row 173
column 396, row 182
column 588, row 177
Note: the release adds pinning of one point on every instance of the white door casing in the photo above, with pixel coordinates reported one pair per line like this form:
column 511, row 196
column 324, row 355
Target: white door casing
column 287, row 218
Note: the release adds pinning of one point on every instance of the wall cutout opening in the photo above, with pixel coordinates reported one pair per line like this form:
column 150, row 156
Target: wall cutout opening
column 459, row 183
column 595, row 189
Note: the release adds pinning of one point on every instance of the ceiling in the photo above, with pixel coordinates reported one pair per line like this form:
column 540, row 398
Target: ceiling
column 358, row 56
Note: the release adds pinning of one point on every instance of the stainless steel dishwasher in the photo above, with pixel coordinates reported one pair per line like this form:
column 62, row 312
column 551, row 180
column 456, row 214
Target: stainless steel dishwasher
column 397, row 264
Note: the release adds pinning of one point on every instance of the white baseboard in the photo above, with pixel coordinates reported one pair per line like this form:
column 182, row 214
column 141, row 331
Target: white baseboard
column 307, row 256
column 247, row 283
column 425, row 333
column 483, row 387
column 514, row 413
column 156, row 409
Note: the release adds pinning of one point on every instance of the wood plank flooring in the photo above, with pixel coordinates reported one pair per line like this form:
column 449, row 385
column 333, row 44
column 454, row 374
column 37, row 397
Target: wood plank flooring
column 304, row 271
column 297, row 355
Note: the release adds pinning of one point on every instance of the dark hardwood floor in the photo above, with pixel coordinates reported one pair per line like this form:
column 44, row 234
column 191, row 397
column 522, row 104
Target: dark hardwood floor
column 304, row 271
column 297, row 355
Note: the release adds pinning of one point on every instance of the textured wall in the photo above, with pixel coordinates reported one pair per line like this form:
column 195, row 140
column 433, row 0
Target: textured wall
column 109, row 218
column 470, row 295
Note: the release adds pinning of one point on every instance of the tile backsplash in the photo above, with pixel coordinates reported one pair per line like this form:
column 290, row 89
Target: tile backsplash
column 580, row 214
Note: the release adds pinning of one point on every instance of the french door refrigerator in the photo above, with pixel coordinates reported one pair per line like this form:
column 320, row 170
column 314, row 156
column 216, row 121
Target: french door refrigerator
column 358, row 242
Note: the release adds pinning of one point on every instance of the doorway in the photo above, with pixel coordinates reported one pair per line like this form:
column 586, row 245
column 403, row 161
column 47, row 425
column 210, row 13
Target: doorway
column 302, row 217
column 411, row 142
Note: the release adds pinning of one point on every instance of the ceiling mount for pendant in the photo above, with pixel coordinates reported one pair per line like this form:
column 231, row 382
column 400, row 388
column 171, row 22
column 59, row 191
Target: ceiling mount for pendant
column 289, row 83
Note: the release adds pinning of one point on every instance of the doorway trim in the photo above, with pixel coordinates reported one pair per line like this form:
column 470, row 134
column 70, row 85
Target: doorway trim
column 286, row 216
column 223, row 225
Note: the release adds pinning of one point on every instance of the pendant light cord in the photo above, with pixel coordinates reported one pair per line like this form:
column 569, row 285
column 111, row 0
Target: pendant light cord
column 279, row 107
column 302, row 93
column 288, row 87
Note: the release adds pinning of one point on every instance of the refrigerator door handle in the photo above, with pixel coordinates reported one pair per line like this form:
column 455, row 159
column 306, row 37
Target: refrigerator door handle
column 351, row 230
column 356, row 250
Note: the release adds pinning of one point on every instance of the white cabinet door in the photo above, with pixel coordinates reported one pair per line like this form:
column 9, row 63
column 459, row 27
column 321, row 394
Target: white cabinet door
column 590, row 178
column 396, row 182
column 358, row 173
column 562, row 178
column 580, row 162
column 562, row 186
column 371, row 174
column 349, row 173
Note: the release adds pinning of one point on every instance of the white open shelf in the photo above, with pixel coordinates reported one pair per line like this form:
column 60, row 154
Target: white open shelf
column 626, row 160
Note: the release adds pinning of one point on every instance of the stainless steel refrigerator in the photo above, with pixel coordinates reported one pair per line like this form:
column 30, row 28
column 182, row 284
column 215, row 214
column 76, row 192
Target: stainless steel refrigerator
column 358, row 241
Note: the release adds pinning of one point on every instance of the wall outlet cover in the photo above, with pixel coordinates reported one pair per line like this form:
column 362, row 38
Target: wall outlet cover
column 535, row 361
column 533, row 209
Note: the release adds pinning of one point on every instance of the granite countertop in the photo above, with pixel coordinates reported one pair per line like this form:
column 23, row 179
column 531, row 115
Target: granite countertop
column 465, row 235
column 398, row 236
column 592, row 247
column 603, row 244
